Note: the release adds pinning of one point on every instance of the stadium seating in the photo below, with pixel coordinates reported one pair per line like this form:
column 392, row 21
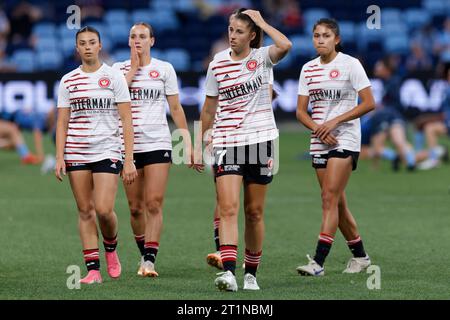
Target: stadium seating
column 190, row 40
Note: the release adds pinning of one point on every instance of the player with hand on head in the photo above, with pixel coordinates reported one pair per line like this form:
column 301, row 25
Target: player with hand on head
column 238, row 107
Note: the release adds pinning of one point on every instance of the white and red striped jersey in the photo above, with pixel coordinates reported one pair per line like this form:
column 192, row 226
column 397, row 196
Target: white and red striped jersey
column 148, row 90
column 333, row 90
column 244, row 115
column 93, row 133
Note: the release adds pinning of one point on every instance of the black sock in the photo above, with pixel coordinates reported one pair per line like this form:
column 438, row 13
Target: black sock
column 357, row 248
column 91, row 259
column 140, row 241
column 150, row 251
column 110, row 244
column 228, row 253
column 323, row 248
column 216, row 233
column 216, row 239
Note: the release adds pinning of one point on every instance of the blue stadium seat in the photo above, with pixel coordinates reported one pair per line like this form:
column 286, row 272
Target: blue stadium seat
column 184, row 5
column 101, row 28
column 390, row 15
column 24, row 60
column 436, row 7
column 158, row 54
column 394, row 28
column 161, row 5
column 121, row 55
column 65, row 32
column 67, row 46
column 162, row 20
column 396, row 44
column 116, row 16
column 119, row 32
column 286, row 62
column 179, row 58
column 416, row 18
column 48, row 44
column 347, row 29
column 49, row 60
column 314, row 14
column 366, row 35
column 141, row 15
column 44, row 29
column 302, row 46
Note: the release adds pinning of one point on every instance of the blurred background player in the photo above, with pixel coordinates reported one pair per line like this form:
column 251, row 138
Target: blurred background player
column 11, row 137
column 388, row 122
column 236, row 137
column 92, row 100
column 435, row 129
column 332, row 83
column 152, row 84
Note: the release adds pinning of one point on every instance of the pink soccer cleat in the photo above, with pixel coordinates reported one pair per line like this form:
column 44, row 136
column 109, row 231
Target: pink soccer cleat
column 113, row 264
column 93, row 276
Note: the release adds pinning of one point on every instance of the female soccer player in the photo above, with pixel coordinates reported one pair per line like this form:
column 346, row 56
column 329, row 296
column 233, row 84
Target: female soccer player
column 213, row 258
column 151, row 82
column 88, row 146
column 238, row 101
column 332, row 83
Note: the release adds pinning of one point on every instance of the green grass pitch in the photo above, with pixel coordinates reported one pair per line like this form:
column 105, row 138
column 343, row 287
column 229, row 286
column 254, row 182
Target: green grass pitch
column 404, row 220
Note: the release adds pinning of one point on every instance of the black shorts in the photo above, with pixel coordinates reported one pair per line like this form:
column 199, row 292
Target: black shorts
column 253, row 162
column 143, row 159
column 105, row 166
column 319, row 161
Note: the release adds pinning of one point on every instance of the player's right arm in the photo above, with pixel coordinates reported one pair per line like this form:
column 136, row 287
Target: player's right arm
column 62, row 125
column 61, row 135
column 134, row 65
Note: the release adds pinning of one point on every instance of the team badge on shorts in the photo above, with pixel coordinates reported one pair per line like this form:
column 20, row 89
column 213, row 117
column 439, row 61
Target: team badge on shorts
column 252, row 64
column 104, row 82
column 334, row 74
column 153, row 74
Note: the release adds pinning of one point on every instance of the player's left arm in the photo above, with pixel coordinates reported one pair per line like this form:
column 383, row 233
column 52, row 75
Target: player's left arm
column 281, row 45
column 178, row 116
column 129, row 172
column 367, row 104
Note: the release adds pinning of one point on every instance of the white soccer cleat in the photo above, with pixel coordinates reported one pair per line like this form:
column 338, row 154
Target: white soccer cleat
column 226, row 281
column 356, row 265
column 141, row 267
column 149, row 269
column 311, row 269
column 250, row 282
column 428, row 164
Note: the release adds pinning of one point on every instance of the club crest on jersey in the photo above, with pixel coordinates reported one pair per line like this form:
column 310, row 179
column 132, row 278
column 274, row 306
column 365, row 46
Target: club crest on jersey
column 153, row 74
column 252, row 64
column 104, row 82
column 334, row 74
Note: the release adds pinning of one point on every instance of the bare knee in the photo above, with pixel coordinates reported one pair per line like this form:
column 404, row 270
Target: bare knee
column 154, row 205
column 103, row 211
column 86, row 212
column 330, row 198
column 228, row 210
column 136, row 209
column 254, row 214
